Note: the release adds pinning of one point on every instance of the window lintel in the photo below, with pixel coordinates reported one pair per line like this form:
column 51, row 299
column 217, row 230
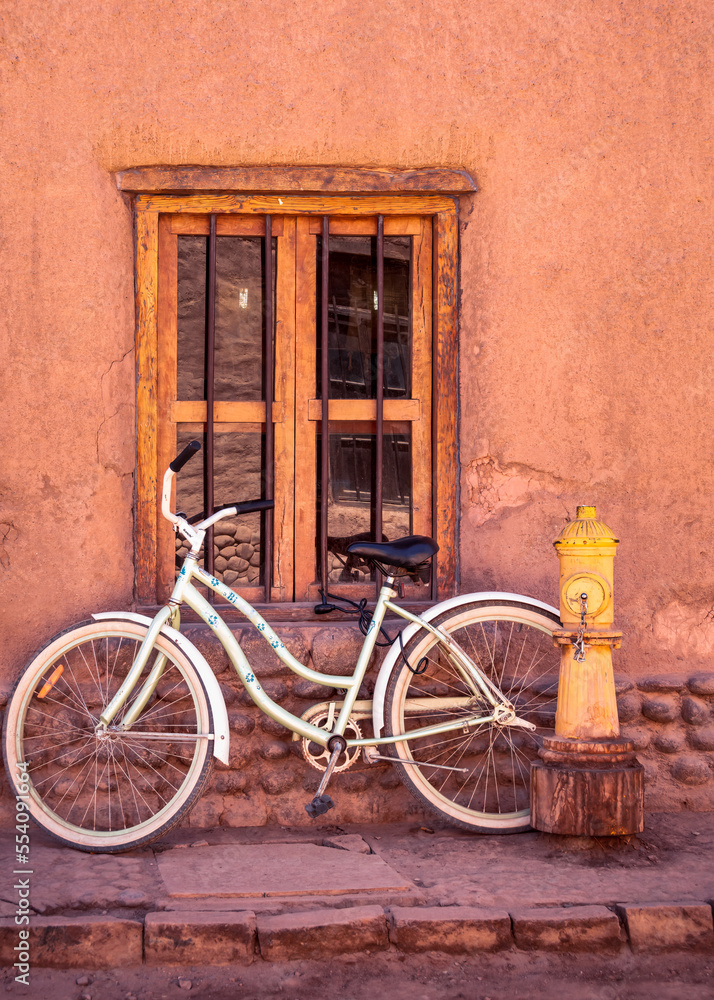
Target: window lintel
column 294, row 180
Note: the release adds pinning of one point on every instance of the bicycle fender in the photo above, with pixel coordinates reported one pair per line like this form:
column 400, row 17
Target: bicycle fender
column 380, row 687
column 221, row 740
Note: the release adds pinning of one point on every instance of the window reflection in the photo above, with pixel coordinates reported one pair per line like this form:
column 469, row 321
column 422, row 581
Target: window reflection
column 351, row 496
column 239, row 456
column 238, row 473
column 240, row 313
column 352, row 317
column 352, row 365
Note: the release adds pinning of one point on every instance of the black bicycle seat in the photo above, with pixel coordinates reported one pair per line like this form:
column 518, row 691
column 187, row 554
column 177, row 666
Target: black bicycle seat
column 406, row 553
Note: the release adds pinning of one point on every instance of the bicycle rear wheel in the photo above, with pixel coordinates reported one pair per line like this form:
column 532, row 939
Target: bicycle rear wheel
column 487, row 788
column 107, row 792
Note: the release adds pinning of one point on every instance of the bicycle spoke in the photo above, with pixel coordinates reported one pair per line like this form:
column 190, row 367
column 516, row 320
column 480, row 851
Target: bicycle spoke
column 96, row 681
column 81, row 705
column 499, row 679
column 133, row 787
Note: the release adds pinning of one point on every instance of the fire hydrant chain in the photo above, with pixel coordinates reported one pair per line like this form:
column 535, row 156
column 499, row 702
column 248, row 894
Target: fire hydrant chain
column 579, row 640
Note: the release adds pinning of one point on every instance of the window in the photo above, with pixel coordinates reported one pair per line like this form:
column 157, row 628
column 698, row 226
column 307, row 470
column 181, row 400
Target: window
column 228, row 328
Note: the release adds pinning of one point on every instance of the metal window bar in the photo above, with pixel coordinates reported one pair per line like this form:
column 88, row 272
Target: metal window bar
column 210, row 379
column 268, row 379
column 379, row 449
column 325, row 390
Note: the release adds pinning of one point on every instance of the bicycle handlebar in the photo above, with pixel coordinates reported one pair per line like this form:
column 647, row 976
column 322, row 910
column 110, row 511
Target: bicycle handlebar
column 241, row 507
column 189, row 451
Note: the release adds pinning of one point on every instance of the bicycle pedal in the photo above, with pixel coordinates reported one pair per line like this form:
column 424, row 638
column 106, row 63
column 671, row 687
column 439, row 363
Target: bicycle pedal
column 319, row 805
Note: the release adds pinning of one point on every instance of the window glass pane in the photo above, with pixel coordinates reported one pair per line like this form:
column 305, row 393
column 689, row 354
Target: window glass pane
column 191, row 317
column 350, row 502
column 240, row 312
column 240, row 317
column 238, row 475
column 352, row 317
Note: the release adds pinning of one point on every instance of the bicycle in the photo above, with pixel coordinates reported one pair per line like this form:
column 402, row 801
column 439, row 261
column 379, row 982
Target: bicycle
column 117, row 720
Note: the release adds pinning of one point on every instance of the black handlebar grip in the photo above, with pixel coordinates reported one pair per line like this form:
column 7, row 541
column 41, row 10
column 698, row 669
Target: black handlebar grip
column 250, row 506
column 189, row 451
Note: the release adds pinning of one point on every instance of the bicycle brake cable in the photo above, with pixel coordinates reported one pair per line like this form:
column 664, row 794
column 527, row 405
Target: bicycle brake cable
column 421, row 666
column 365, row 618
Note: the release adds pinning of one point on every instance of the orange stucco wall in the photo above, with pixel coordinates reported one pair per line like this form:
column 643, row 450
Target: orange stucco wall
column 585, row 344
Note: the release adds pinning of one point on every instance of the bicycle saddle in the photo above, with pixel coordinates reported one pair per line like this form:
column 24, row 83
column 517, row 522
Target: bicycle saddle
column 406, row 553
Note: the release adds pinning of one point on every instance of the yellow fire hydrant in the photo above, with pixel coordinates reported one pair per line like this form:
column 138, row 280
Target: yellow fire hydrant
column 587, row 706
column 588, row 781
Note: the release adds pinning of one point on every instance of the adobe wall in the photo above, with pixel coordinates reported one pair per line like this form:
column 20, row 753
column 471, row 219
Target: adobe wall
column 585, row 345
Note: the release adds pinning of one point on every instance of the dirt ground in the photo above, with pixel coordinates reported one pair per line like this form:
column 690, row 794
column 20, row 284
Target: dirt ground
column 430, row 976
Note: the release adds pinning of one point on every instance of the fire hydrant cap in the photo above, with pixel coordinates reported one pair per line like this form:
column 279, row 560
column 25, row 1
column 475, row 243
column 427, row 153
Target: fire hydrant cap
column 586, row 528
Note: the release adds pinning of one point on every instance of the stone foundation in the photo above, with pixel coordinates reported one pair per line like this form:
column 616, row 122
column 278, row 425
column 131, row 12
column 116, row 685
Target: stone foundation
column 669, row 719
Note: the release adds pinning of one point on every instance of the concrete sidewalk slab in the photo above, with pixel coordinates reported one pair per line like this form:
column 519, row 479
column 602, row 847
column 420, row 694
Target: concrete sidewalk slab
column 348, row 842
column 275, row 870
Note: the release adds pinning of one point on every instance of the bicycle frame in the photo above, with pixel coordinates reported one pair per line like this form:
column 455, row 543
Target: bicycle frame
column 185, row 592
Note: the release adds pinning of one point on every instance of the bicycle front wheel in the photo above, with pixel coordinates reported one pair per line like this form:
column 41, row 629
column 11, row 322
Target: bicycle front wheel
column 107, row 791
column 482, row 781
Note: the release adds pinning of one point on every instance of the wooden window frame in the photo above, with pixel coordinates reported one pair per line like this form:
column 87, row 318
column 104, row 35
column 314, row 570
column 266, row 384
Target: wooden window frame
column 345, row 196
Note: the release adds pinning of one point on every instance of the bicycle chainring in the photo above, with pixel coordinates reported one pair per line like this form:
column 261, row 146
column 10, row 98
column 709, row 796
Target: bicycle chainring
column 318, row 757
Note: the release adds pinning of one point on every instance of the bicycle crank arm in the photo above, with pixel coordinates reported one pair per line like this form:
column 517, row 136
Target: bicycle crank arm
column 414, row 763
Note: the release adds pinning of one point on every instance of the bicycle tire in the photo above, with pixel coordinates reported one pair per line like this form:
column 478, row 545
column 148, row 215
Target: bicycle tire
column 107, row 793
column 512, row 643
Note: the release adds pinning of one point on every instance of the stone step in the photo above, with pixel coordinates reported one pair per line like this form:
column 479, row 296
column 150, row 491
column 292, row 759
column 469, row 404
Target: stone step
column 196, row 937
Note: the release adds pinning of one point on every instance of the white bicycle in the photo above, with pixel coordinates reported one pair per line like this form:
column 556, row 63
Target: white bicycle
column 117, row 720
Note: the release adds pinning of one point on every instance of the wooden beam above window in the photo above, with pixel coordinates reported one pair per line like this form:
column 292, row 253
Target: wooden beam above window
column 332, row 180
